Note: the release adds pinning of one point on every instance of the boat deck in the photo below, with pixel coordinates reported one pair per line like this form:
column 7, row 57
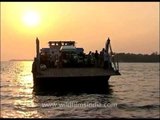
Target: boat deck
column 76, row 72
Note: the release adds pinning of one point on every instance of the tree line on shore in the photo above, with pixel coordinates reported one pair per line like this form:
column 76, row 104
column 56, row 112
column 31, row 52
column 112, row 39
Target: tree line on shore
column 131, row 57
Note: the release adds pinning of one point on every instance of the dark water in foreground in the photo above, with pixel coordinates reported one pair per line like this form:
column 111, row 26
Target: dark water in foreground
column 134, row 94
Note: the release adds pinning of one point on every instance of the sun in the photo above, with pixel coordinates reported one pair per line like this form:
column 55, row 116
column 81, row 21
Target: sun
column 31, row 18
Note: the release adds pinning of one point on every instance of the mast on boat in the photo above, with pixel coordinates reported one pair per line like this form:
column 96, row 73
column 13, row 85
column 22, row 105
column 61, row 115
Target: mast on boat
column 108, row 47
column 37, row 56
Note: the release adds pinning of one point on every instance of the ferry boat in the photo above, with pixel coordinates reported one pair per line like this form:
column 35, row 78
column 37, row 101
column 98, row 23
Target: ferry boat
column 62, row 67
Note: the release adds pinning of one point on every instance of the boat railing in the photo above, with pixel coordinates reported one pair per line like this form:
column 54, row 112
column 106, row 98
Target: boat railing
column 115, row 62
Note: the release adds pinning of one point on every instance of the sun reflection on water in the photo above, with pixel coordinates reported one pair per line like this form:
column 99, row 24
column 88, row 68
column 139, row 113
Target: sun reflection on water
column 19, row 82
column 25, row 80
column 25, row 76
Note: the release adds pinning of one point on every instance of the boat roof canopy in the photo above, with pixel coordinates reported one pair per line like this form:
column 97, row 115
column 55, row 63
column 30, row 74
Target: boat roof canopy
column 68, row 48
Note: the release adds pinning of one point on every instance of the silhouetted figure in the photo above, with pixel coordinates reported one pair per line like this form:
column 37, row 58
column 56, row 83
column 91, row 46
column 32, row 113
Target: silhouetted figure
column 81, row 59
column 52, row 59
column 92, row 59
column 47, row 59
column 60, row 59
column 101, row 58
column 96, row 55
column 106, row 60
column 89, row 59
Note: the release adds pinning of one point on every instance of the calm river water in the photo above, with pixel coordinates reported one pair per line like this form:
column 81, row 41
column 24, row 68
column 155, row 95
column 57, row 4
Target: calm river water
column 134, row 94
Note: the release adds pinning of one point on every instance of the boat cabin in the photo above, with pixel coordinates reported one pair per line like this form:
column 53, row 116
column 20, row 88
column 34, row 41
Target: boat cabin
column 60, row 43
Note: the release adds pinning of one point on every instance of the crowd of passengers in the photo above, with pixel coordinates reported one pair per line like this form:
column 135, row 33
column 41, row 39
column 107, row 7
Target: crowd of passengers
column 72, row 59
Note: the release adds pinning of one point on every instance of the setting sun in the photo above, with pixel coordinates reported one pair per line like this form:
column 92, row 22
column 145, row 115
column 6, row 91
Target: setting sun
column 31, row 18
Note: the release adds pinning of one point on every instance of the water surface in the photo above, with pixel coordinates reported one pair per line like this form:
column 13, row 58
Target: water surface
column 134, row 94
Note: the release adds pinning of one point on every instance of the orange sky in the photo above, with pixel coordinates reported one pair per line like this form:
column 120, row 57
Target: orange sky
column 132, row 26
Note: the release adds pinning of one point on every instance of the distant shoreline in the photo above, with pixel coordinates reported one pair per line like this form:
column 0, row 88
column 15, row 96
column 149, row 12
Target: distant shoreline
column 136, row 62
column 137, row 58
column 125, row 58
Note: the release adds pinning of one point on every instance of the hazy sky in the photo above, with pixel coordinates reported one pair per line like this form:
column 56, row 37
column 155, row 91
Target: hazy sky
column 133, row 27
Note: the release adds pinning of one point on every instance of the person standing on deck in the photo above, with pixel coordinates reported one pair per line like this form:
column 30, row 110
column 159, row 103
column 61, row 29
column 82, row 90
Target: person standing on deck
column 52, row 59
column 106, row 60
column 101, row 58
column 96, row 55
column 60, row 59
column 89, row 59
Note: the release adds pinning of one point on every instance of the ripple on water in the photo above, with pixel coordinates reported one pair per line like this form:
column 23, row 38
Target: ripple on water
column 136, row 93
